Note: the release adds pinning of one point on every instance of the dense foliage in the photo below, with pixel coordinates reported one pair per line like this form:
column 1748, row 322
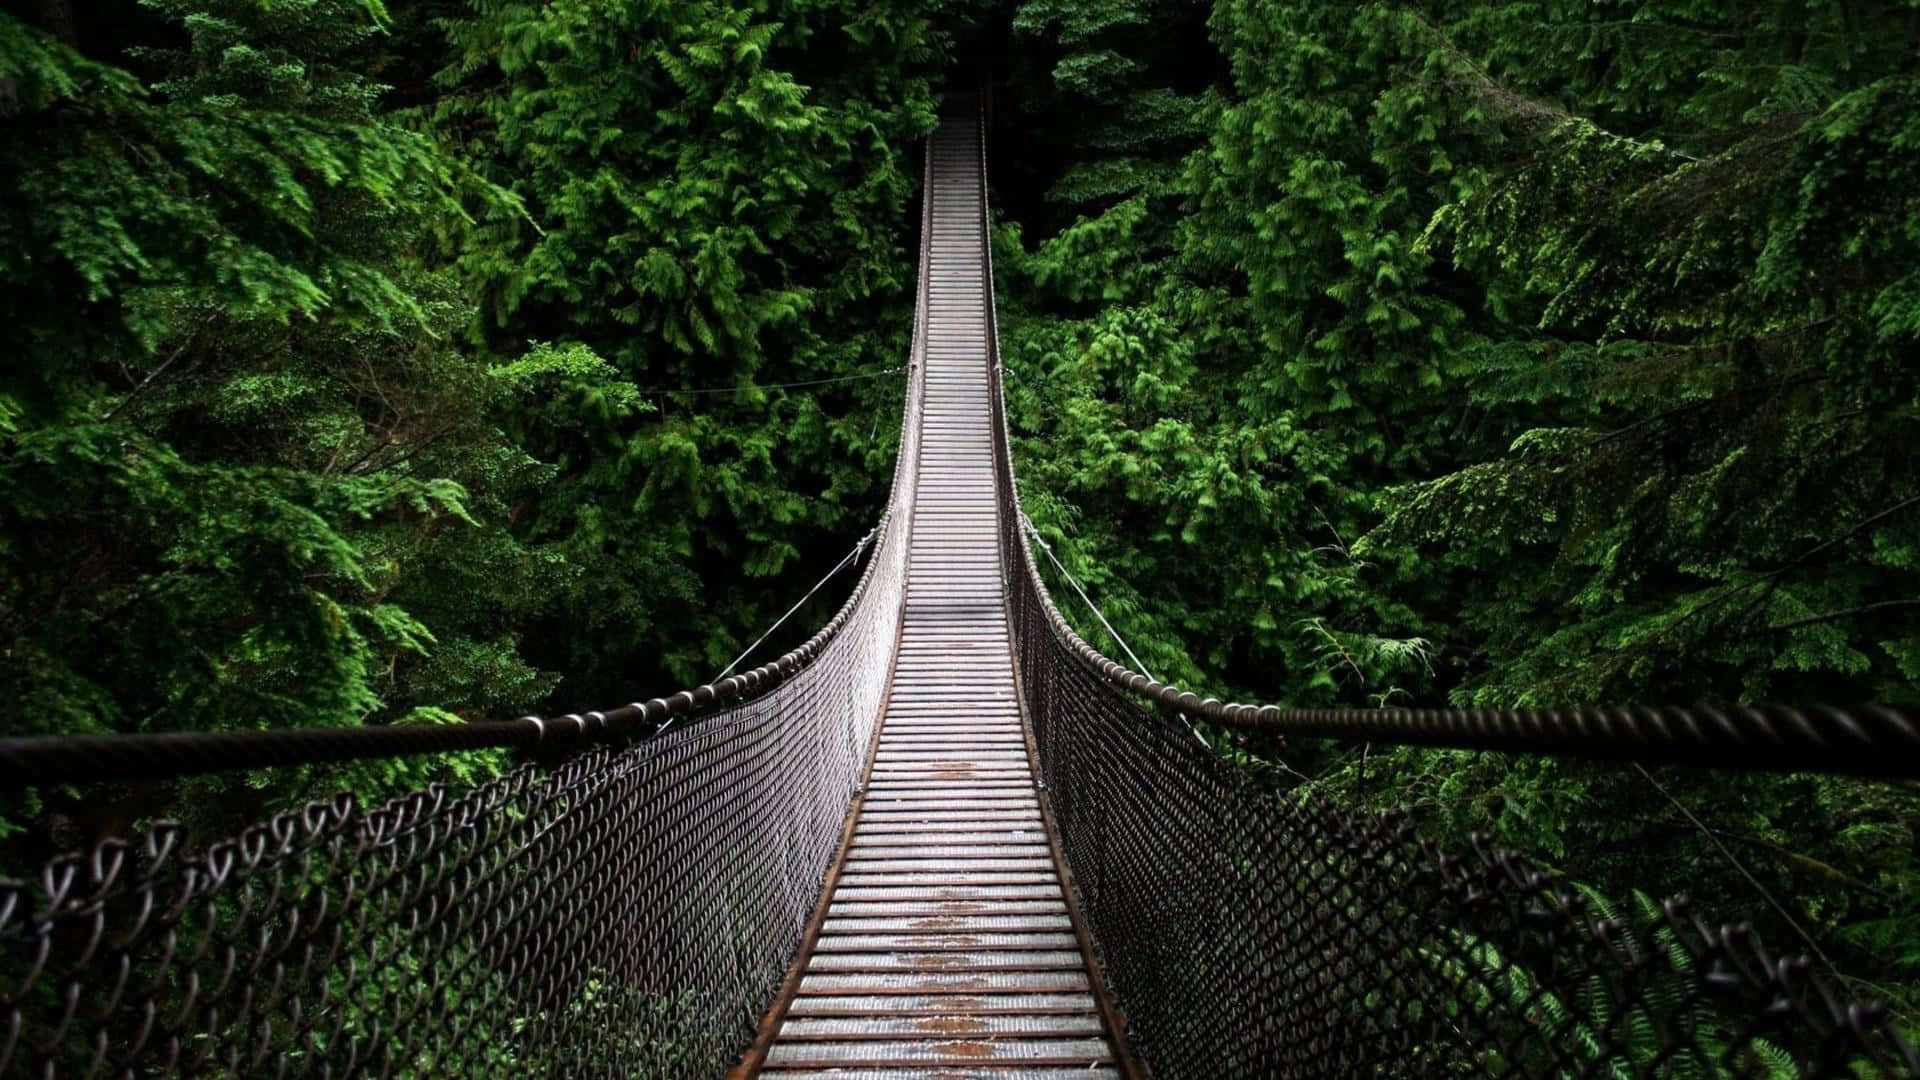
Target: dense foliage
column 430, row 359
column 340, row 403
column 1523, row 353
column 716, row 197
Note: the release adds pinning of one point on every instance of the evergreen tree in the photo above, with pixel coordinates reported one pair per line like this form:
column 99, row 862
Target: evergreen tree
column 247, row 478
column 717, row 198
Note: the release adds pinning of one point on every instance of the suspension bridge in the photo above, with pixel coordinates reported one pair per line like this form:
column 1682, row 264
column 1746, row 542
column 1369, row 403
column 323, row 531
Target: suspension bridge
column 943, row 838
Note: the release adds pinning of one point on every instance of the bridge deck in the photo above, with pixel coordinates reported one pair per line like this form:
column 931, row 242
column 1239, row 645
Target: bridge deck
column 948, row 943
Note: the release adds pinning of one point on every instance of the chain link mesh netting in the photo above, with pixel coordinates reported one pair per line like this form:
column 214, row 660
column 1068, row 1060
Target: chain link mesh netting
column 1248, row 934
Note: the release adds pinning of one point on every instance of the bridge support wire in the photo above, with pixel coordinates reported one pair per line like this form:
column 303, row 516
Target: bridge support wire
column 1034, row 532
column 850, row 557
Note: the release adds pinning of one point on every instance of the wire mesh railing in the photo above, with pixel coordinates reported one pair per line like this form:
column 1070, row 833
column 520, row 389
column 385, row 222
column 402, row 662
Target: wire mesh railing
column 1246, row 932
column 625, row 913
column 629, row 911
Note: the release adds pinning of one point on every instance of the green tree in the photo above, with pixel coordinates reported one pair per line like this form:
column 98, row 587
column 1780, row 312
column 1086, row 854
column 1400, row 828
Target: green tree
column 245, row 470
column 716, row 199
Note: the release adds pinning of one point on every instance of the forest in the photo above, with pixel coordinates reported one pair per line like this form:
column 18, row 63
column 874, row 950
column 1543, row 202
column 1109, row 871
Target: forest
column 425, row 361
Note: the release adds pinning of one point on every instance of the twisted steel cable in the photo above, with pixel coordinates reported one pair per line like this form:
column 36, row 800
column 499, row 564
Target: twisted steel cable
column 1867, row 739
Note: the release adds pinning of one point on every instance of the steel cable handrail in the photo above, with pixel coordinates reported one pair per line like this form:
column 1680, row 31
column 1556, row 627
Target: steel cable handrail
column 49, row 760
column 46, row 760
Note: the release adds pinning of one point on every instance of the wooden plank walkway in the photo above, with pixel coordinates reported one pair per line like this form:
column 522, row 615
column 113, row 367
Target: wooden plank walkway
column 948, row 948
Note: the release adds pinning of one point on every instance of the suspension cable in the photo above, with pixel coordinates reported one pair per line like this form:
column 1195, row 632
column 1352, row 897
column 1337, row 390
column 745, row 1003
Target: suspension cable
column 1091, row 606
column 1095, row 608
column 850, row 557
column 42, row 760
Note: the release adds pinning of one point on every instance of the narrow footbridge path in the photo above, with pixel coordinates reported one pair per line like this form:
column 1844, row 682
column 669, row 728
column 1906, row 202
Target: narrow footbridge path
column 947, row 938
column 944, row 838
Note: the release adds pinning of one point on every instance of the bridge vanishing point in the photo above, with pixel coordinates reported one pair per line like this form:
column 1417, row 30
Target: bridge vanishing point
column 944, row 838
